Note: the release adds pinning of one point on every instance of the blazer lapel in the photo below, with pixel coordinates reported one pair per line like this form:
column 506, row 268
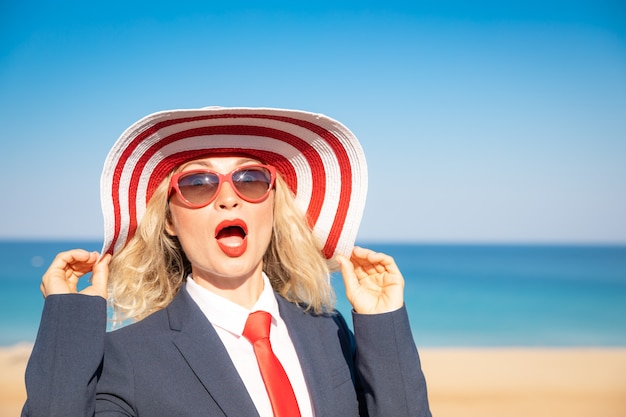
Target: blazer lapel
column 205, row 353
column 311, row 353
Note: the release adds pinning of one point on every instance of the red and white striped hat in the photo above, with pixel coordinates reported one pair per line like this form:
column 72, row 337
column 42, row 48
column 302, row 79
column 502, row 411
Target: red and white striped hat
column 319, row 158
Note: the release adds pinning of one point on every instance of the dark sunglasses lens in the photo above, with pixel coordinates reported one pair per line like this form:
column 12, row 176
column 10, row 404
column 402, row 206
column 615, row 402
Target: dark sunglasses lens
column 252, row 183
column 198, row 188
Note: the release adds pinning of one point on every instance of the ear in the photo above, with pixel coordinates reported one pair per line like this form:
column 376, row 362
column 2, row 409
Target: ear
column 169, row 226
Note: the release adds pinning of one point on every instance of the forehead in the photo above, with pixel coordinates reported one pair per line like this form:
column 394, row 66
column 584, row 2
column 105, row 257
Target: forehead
column 218, row 162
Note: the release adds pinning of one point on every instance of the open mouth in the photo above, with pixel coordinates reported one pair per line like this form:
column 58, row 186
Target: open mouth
column 231, row 237
column 231, row 232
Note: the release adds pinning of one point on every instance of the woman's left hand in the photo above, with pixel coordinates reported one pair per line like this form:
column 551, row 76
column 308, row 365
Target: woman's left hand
column 373, row 281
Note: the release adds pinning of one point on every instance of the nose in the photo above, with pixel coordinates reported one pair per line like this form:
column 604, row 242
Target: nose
column 227, row 198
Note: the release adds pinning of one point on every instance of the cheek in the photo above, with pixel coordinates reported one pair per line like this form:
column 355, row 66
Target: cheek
column 265, row 220
column 181, row 222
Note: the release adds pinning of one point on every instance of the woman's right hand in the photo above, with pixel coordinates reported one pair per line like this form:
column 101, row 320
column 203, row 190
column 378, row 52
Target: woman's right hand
column 68, row 267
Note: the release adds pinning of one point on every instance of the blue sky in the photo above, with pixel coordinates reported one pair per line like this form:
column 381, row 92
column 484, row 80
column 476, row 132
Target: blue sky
column 482, row 121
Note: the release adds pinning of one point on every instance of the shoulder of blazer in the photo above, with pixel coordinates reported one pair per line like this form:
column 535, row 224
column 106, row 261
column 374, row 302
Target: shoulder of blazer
column 333, row 323
column 172, row 317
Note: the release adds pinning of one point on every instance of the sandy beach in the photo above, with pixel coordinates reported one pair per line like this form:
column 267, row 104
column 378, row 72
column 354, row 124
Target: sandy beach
column 508, row 382
column 12, row 390
column 526, row 382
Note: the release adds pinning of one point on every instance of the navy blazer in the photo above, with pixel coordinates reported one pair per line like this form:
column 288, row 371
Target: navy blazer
column 174, row 364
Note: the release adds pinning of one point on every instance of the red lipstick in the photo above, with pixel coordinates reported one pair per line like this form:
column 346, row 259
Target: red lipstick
column 231, row 237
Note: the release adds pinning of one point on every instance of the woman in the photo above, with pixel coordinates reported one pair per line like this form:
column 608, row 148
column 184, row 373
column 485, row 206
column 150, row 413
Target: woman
column 215, row 219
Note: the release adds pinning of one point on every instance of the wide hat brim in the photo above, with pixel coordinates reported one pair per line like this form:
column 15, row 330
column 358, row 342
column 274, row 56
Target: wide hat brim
column 320, row 159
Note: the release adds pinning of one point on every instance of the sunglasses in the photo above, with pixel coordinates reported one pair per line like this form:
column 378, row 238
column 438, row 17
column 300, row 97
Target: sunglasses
column 198, row 188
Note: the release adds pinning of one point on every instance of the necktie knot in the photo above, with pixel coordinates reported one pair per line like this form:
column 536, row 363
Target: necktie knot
column 257, row 326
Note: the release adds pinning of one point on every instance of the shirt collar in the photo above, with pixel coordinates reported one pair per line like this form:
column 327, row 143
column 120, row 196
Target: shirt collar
column 228, row 315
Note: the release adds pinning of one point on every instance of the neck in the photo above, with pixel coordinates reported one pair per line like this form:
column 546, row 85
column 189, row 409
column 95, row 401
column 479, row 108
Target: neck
column 244, row 291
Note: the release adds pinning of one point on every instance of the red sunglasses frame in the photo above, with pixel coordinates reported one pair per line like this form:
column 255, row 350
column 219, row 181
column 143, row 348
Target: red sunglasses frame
column 222, row 179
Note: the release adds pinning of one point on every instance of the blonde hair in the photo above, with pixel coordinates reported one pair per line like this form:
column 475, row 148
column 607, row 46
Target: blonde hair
column 293, row 260
column 149, row 271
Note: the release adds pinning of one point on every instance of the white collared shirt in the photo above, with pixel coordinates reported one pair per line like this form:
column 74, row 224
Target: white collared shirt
column 229, row 320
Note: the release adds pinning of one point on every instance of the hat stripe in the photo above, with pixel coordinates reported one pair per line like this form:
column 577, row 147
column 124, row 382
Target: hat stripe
column 313, row 158
column 141, row 155
column 345, row 183
column 172, row 161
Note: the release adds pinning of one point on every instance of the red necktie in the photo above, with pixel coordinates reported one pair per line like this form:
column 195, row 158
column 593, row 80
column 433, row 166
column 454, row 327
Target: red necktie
column 257, row 331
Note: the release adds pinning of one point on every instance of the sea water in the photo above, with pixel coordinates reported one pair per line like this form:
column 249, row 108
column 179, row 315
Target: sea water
column 456, row 295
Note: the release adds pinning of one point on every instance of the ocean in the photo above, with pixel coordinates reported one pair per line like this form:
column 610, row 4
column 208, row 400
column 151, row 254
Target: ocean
column 456, row 295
